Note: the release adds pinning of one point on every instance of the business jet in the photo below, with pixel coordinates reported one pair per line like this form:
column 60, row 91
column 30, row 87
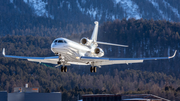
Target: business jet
column 86, row 52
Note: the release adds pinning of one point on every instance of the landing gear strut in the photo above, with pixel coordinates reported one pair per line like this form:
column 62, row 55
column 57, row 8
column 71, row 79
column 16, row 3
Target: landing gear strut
column 59, row 61
column 63, row 67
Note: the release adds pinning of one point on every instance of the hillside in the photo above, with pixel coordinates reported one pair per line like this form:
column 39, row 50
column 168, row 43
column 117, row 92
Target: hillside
column 102, row 10
column 15, row 73
column 68, row 17
column 146, row 38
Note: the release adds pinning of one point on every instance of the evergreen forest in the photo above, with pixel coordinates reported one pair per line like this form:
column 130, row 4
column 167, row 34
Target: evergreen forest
column 145, row 38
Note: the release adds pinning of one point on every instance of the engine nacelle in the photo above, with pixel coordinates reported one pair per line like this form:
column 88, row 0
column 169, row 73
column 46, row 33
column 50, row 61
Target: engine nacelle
column 85, row 41
column 98, row 52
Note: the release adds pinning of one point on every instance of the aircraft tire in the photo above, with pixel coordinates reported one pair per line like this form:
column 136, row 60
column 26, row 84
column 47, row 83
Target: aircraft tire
column 65, row 69
column 59, row 62
column 91, row 69
column 95, row 69
column 62, row 69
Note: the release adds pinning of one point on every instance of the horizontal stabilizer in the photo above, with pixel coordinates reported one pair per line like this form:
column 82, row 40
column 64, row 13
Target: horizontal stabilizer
column 105, row 43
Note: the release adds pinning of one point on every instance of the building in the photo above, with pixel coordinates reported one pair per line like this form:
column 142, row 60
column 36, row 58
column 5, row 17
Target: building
column 26, row 89
column 3, row 96
column 34, row 96
column 119, row 97
column 101, row 97
column 29, row 94
column 142, row 97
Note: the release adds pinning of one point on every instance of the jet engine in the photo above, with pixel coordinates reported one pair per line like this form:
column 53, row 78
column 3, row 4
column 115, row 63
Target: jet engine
column 85, row 41
column 98, row 52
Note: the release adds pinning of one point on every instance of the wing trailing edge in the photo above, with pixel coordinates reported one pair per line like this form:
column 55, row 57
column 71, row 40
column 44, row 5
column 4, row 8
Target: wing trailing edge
column 99, row 61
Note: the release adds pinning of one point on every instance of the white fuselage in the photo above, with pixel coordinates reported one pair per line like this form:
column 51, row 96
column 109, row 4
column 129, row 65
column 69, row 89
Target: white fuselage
column 69, row 47
column 72, row 50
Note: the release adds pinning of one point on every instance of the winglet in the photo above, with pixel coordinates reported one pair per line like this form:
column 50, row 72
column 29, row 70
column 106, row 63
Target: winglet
column 173, row 55
column 3, row 52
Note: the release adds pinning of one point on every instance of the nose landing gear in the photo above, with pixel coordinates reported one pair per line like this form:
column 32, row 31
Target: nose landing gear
column 60, row 61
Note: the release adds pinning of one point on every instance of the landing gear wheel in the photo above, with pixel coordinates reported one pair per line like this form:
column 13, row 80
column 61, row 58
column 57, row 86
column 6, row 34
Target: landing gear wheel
column 59, row 62
column 62, row 69
column 91, row 69
column 65, row 69
column 95, row 69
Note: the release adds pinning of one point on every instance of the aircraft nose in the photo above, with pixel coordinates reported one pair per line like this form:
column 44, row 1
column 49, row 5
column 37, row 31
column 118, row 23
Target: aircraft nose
column 55, row 47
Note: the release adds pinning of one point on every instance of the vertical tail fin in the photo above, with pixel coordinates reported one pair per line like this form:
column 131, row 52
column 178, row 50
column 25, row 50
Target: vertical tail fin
column 3, row 52
column 95, row 32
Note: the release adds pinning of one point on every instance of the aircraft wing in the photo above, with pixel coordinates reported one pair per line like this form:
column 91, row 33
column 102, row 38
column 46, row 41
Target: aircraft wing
column 99, row 61
column 52, row 60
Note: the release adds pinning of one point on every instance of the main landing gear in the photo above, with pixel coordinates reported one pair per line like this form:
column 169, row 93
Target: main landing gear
column 93, row 69
column 63, row 69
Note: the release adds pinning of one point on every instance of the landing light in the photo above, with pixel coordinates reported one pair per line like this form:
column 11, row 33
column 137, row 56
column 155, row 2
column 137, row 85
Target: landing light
column 77, row 57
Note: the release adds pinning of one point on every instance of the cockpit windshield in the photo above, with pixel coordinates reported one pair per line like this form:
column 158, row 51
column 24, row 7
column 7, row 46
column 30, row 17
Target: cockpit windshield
column 60, row 41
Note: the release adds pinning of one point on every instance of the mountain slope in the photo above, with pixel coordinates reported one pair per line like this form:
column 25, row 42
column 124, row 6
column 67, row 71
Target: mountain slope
column 134, row 78
column 77, row 16
column 103, row 10
column 145, row 38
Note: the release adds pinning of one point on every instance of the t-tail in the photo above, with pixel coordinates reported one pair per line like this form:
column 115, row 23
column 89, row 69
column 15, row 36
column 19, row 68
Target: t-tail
column 93, row 41
column 95, row 32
